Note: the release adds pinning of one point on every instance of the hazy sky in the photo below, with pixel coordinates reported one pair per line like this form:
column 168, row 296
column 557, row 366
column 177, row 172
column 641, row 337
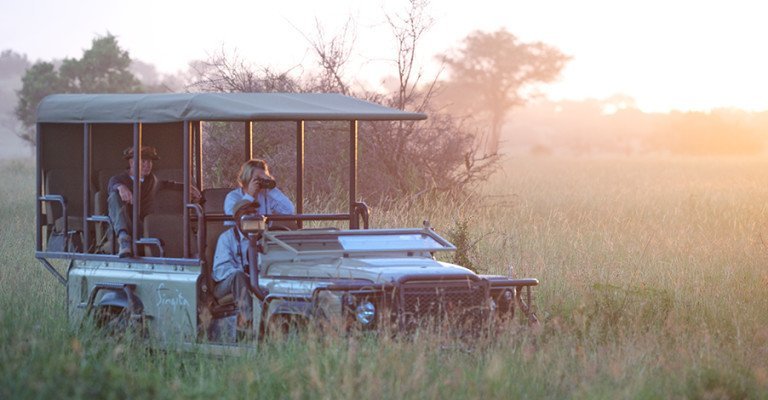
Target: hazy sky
column 667, row 54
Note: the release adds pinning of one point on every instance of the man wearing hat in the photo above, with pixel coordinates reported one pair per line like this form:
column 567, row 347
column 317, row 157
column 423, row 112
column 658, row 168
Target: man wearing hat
column 230, row 264
column 120, row 198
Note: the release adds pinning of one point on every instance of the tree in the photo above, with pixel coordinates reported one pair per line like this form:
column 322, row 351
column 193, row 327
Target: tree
column 39, row 81
column 497, row 70
column 332, row 56
column 102, row 69
column 227, row 72
column 12, row 65
column 152, row 81
column 439, row 155
column 224, row 71
column 12, row 68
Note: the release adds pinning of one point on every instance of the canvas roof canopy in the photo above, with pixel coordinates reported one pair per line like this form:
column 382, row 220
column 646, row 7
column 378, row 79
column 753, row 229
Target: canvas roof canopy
column 175, row 107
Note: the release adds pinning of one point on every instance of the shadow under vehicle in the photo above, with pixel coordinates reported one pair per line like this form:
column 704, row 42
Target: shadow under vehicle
column 362, row 278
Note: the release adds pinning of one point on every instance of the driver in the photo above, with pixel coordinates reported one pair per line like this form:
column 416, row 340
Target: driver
column 257, row 184
column 230, row 266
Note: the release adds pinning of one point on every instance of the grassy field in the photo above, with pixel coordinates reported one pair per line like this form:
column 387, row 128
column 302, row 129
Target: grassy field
column 654, row 285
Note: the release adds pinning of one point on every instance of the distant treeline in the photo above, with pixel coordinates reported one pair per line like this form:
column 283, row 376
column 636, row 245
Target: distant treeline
column 616, row 126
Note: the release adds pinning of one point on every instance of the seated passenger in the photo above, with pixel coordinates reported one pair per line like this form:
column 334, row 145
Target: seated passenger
column 120, row 200
column 256, row 184
column 120, row 196
column 230, row 266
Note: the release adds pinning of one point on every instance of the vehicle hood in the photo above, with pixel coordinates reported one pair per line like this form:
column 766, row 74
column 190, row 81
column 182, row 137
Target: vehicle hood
column 375, row 270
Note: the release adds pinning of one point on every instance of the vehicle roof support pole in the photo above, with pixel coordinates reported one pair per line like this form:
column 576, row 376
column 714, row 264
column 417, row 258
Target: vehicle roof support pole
column 186, row 168
column 198, row 130
column 136, row 186
column 248, row 140
column 86, row 184
column 38, row 189
column 300, row 170
column 353, row 223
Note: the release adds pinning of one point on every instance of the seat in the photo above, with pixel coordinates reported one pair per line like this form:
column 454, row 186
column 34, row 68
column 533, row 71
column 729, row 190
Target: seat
column 213, row 231
column 165, row 222
column 214, row 200
column 224, row 307
column 214, row 204
column 169, row 174
column 170, row 230
column 67, row 183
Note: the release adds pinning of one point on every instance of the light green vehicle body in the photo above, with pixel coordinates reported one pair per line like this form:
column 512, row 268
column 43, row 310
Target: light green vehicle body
column 358, row 277
column 168, row 292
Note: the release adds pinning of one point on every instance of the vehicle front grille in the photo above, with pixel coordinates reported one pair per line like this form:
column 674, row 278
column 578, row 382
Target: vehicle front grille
column 454, row 302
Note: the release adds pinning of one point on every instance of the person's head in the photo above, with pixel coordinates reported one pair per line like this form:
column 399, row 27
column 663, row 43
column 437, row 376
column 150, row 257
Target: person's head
column 148, row 156
column 252, row 169
column 244, row 207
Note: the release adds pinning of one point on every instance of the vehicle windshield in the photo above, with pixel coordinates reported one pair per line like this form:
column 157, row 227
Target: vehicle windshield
column 357, row 241
column 390, row 242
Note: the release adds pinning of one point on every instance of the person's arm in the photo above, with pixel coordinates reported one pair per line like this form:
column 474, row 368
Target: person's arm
column 232, row 198
column 116, row 180
column 224, row 259
column 122, row 184
column 279, row 203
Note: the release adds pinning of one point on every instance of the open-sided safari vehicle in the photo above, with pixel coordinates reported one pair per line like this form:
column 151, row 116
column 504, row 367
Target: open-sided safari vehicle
column 369, row 279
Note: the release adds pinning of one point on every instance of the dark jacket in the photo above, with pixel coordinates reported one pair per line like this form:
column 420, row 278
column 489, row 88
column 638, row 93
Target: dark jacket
column 149, row 188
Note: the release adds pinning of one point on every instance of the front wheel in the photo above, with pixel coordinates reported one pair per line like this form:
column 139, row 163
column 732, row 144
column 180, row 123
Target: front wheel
column 285, row 326
column 118, row 322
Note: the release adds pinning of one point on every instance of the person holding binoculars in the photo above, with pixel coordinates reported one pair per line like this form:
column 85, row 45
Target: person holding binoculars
column 256, row 184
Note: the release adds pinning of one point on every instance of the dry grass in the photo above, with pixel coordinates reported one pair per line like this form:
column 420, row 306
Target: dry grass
column 654, row 285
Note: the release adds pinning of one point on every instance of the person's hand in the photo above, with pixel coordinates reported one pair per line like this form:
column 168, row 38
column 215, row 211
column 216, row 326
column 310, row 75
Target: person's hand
column 253, row 187
column 125, row 194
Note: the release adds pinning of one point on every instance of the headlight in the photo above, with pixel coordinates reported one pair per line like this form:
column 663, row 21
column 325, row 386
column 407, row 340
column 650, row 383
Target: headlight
column 365, row 313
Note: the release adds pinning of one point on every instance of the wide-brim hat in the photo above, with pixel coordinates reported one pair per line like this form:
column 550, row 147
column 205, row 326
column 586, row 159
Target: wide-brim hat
column 244, row 205
column 147, row 153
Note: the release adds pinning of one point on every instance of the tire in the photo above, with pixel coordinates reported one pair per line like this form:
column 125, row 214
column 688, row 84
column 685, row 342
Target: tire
column 118, row 322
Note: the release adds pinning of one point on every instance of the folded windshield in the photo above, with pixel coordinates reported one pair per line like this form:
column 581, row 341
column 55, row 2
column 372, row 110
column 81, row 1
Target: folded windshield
column 357, row 241
column 390, row 242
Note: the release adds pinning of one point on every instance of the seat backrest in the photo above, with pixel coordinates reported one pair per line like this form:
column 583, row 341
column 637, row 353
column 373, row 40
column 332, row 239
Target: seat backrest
column 214, row 204
column 169, row 174
column 165, row 222
column 214, row 199
column 213, row 231
column 67, row 183
column 169, row 229
column 168, row 200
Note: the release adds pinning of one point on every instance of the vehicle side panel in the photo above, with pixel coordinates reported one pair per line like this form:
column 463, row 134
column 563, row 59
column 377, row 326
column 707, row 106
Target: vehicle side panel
column 167, row 292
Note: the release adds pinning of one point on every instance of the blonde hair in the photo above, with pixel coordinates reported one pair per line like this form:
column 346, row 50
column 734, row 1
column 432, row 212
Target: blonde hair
column 246, row 170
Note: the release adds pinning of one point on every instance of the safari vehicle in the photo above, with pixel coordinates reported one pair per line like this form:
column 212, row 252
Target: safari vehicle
column 362, row 278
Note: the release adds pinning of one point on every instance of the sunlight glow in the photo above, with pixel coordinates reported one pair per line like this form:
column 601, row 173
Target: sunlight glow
column 683, row 55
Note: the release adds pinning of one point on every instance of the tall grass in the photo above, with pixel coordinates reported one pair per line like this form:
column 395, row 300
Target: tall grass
column 653, row 285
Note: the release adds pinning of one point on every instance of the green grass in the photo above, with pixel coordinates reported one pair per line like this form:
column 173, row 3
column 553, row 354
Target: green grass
column 654, row 284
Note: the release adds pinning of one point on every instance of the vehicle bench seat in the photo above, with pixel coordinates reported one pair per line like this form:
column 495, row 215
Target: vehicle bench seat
column 214, row 204
column 165, row 222
column 67, row 183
